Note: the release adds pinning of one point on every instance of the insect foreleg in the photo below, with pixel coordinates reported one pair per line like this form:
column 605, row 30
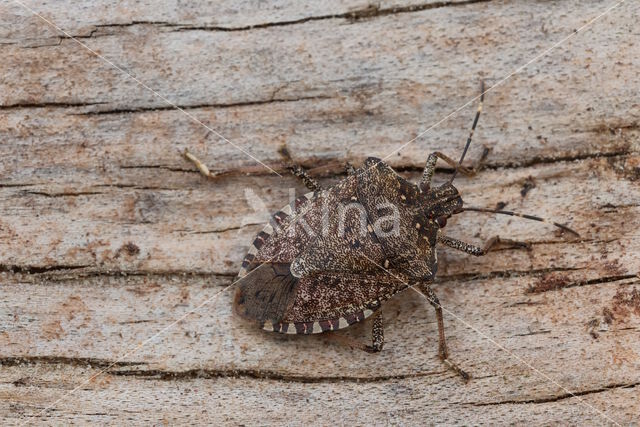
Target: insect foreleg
column 429, row 169
column 475, row 250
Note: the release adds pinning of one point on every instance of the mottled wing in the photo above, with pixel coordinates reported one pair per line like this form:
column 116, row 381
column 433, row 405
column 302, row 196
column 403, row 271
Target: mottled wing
column 265, row 293
column 331, row 301
column 330, row 295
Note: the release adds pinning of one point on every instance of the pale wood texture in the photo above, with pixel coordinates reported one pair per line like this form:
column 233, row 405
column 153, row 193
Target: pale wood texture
column 108, row 236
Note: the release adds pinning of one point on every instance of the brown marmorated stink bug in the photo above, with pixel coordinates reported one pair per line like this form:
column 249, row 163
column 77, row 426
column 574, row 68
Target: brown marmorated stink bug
column 333, row 256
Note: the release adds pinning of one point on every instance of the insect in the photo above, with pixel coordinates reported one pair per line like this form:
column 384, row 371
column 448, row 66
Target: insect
column 331, row 258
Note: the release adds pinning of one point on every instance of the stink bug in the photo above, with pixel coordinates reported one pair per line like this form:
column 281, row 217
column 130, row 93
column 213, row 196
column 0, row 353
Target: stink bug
column 333, row 256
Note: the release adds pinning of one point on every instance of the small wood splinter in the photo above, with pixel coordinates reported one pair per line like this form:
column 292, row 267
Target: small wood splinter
column 204, row 170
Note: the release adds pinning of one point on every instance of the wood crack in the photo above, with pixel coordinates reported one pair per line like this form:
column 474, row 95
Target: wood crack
column 540, row 160
column 15, row 185
column 614, row 129
column 163, row 167
column 219, row 230
column 32, row 269
column 470, row 277
column 133, row 110
column 58, row 274
column 353, row 16
column 239, row 104
column 560, row 397
column 368, row 12
column 533, row 161
column 559, row 283
column 24, row 105
column 64, row 194
column 264, row 375
column 139, row 187
column 461, row 278
column 371, row 11
column 60, row 268
column 90, row 362
column 332, row 167
column 527, row 334
column 190, row 374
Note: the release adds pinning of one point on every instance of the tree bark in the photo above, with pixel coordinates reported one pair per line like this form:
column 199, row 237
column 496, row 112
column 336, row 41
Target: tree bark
column 116, row 255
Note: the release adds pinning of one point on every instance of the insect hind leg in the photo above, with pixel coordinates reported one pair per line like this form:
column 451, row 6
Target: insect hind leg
column 443, row 351
column 377, row 336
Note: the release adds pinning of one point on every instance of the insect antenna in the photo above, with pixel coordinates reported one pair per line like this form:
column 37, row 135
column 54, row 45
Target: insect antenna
column 525, row 216
column 473, row 128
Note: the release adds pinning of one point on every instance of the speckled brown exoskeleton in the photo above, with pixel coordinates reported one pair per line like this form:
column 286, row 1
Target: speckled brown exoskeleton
column 331, row 258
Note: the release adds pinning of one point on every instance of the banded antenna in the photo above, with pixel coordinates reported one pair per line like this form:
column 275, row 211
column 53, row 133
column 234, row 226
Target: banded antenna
column 473, row 128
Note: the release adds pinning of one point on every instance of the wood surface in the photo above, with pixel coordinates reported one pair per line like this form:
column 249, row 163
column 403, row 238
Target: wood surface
column 115, row 254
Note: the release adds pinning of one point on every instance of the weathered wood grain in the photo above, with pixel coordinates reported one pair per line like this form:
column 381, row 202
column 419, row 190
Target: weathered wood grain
column 95, row 19
column 232, row 401
column 320, row 91
column 108, row 236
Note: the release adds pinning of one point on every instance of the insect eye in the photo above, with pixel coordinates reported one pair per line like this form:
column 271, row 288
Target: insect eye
column 442, row 221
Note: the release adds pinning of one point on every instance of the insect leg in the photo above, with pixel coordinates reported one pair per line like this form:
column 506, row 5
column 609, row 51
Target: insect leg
column 475, row 250
column 430, row 168
column 377, row 334
column 350, row 169
column 443, row 351
column 309, row 182
column 425, row 182
column 297, row 170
